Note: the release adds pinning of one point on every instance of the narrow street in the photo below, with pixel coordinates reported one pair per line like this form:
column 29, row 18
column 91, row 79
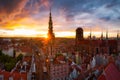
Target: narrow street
column 39, row 61
column 39, row 67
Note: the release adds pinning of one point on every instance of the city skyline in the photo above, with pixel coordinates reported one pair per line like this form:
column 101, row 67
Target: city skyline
column 29, row 18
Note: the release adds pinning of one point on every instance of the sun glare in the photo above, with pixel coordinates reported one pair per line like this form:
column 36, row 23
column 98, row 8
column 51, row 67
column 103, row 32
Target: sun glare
column 65, row 34
column 25, row 32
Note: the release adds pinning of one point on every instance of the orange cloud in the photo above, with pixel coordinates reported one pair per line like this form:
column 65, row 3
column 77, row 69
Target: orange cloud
column 9, row 9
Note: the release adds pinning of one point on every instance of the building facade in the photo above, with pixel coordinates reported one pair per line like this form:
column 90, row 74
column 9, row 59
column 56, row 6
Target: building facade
column 51, row 36
column 79, row 34
column 59, row 71
column 95, row 46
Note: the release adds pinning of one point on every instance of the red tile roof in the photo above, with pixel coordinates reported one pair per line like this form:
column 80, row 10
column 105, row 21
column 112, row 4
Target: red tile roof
column 6, row 74
column 110, row 73
column 15, row 75
column 102, row 77
column 25, row 49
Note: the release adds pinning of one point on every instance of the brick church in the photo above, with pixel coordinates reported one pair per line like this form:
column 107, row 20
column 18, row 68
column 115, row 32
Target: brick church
column 95, row 46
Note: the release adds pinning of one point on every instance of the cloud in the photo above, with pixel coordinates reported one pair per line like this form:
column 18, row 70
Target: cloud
column 94, row 7
column 113, row 3
column 15, row 9
column 70, row 14
column 11, row 8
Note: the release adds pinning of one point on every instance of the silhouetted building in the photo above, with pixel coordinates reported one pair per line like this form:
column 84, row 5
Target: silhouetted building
column 79, row 34
column 96, row 45
column 51, row 36
column 79, row 37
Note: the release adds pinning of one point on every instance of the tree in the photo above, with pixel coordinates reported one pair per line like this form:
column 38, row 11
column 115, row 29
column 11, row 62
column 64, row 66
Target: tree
column 8, row 61
column 20, row 57
column 9, row 66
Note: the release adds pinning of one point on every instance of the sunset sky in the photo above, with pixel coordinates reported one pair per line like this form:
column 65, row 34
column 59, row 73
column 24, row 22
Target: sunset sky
column 29, row 18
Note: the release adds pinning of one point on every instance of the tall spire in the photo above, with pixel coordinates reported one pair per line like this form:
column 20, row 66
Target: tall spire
column 50, row 23
column 51, row 36
column 106, row 34
column 90, row 33
column 117, row 35
column 101, row 35
column 50, row 28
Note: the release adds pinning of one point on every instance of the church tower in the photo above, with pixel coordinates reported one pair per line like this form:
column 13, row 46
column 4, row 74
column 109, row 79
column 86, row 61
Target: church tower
column 51, row 36
column 79, row 37
column 79, row 34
